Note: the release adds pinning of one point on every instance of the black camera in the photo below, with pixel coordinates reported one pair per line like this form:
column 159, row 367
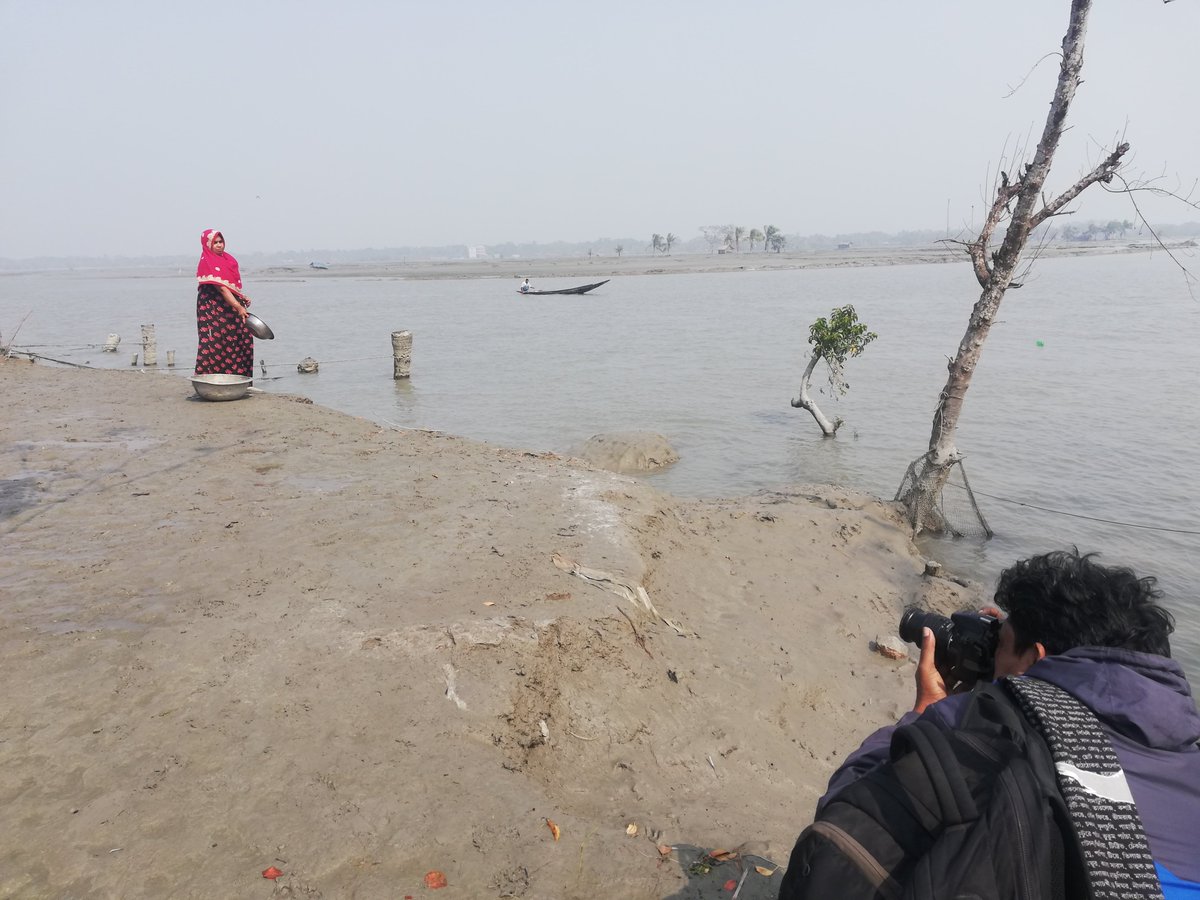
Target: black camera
column 965, row 643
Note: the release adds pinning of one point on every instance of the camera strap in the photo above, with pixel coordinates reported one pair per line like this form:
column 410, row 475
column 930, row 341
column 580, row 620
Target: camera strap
column 1108, row 829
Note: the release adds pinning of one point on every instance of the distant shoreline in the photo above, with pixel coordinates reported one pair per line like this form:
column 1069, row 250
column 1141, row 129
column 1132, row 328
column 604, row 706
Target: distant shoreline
column 598, row 267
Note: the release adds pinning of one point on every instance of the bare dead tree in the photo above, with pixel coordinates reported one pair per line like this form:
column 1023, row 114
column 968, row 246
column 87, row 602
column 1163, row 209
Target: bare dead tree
column 1019, row 201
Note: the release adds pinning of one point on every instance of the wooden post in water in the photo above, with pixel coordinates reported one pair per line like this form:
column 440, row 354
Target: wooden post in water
column 110, row 345
column 133, row 362
column 401, row 354
column 170, row 359
column 149, row 346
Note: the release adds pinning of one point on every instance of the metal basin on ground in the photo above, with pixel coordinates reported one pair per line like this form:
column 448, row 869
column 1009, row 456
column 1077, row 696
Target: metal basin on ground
column 221, row 387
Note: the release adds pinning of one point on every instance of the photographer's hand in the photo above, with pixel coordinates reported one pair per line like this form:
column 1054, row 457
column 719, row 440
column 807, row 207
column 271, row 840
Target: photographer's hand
column 930, row 685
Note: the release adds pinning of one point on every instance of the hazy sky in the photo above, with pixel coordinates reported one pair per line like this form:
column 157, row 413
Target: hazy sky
column 129, row 127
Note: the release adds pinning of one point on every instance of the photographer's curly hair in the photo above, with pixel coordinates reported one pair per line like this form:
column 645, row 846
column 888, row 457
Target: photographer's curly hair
column 1064, row 600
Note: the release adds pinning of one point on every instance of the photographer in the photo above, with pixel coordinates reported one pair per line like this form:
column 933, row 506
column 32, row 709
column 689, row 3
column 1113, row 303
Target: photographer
column 1095, row 632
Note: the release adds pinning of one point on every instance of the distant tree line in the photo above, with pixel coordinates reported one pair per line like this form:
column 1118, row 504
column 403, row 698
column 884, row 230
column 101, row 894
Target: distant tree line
column 710, row 239
column 1093, row 231
column 660, row 244
column 729, row 238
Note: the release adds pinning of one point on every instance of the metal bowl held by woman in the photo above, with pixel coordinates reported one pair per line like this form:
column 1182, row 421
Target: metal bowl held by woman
column 221, row 387
column 258, row 327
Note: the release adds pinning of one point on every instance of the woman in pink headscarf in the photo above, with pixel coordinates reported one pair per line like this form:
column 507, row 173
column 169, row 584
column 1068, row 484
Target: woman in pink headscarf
column 226, row 344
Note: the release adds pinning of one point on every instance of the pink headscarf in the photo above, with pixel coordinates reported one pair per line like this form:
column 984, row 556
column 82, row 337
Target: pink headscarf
column 217, row 268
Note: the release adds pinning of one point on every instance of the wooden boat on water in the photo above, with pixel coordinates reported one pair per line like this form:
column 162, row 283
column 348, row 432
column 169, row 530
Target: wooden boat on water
column 582, row 289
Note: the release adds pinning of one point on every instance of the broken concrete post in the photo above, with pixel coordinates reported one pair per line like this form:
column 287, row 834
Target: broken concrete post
column 401, row 354
column 149, row 346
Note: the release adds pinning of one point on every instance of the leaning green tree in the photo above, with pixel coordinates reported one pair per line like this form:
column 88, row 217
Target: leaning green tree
column 834, row 340
column 1020, row 201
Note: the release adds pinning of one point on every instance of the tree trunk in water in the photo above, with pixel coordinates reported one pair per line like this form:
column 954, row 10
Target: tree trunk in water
column 923, row 502
column 829, row 429
column 922, row 499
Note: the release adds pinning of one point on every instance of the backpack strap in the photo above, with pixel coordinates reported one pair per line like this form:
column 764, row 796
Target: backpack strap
column 1111, row 840
column 947, row 789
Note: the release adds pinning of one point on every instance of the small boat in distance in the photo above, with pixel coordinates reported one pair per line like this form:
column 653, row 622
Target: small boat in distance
column 317, row 265
column 582, row 289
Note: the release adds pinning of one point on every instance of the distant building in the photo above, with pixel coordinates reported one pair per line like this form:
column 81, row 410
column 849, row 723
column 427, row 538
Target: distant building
column 845, row 245
column 478, row 252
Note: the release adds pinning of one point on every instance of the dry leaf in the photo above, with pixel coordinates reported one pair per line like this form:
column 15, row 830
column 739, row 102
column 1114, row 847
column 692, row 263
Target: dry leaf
column 764, row 871
column 664, row 850
column 554, row 829
column 489, row 602
column 631, row 829
column 434, row 880
column 722, row 855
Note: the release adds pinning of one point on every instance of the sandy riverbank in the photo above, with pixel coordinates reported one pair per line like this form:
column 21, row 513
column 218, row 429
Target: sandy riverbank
column 237, row 635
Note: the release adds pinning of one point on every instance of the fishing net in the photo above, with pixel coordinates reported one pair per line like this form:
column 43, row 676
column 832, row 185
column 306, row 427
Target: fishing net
column 953, row 510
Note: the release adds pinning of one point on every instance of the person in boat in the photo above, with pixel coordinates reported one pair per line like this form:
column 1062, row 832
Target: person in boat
column 226, row 345
column 526, row 287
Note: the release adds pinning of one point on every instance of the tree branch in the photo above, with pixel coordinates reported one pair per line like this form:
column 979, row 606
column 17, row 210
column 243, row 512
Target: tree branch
column 1033, row 176
column 1021, row 83
column 978, row 248
column 1103, row 172
column 1026, row 188
column 1188, row 277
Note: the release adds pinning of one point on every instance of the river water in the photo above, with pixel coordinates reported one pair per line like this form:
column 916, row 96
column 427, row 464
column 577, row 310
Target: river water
column 1080, row 427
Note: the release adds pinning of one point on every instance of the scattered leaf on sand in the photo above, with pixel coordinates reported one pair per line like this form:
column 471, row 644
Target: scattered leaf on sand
column 764, row 871
column 554, row 829
column 722, row 855
column 489, row 602
column 271, row 872
column 730, row 885
column 434, row 880
column 664, row 850
column 631, row 829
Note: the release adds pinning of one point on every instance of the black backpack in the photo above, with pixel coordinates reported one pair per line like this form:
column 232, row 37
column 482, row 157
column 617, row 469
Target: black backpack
column 972, row 812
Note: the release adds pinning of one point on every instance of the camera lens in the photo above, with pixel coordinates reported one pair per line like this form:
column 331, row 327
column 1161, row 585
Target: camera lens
column 916, row 619
column 912, row 623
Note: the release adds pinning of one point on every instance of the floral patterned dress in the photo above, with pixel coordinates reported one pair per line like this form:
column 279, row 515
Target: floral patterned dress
column 226, row 344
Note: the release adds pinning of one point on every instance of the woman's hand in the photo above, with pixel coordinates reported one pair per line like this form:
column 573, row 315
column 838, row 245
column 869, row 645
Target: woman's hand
column 236, row 302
